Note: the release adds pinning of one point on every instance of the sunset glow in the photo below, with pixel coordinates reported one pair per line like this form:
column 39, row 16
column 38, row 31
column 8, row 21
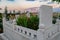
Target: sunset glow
column 21, row 5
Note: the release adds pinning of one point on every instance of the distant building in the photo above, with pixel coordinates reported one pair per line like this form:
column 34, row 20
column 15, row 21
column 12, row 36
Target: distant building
column 33, row 9
column 10, row 0
column 30, row 0
column 0, row 8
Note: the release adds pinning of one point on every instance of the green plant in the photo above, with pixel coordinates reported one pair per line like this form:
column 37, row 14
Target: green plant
column 54, row 21
column 59, row 16
column 0, row 17
column 55, row 17
column 22, row 21
column 27, row 22
column 33, row 22
column 1, row 25
column 56, row 0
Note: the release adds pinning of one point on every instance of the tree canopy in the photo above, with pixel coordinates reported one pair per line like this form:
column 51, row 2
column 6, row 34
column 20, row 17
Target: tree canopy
column 56, row 1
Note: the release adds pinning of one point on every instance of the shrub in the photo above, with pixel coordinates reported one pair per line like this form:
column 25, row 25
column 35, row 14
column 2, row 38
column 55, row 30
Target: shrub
column 59, row 17
column 54, row 21
column 55, row 17
column 22, row 20
column 0, row 17
column 33, row 22
column 1, row 24
column 27, row 22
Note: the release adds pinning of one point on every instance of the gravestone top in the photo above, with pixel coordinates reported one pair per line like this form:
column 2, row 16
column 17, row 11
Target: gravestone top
column 45, row 15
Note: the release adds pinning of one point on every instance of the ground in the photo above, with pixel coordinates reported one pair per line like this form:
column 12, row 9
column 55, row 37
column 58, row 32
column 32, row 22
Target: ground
column 2, row 37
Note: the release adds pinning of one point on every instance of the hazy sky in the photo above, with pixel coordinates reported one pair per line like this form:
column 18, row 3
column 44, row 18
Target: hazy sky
column 20, row 4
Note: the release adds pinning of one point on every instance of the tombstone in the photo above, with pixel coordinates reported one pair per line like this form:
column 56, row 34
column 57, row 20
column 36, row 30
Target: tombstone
column 45, row 16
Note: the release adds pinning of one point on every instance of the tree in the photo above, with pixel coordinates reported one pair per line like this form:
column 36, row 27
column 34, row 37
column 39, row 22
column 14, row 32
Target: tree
column 56, row 1
column 6, row 13
column 6, row 10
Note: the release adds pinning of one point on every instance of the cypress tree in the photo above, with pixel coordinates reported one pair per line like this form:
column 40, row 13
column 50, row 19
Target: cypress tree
column 6, row 12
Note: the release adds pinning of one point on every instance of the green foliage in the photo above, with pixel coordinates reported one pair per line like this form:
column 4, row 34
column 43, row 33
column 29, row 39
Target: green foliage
column 56, row 0
column 0, row 17
column 55, row 17
column 31, row 22
column 59, row 16
column 22, row 21
column 54, row 21
column 1, row 25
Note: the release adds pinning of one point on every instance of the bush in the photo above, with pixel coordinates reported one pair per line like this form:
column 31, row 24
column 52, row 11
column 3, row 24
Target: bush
column 1, row 24
column 27, row 22
column 54, row 21
column 22, row 21
column 56, row 1
column 33, row 22
column 59, row 17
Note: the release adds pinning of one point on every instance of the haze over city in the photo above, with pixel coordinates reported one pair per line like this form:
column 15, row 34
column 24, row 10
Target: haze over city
column 20, row 4
column 17, row 4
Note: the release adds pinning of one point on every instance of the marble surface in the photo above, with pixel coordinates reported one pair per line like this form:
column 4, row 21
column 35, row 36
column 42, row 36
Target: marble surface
column 2, row 37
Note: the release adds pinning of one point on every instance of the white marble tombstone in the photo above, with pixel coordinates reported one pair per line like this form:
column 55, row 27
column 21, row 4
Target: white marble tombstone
column 45, row 16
